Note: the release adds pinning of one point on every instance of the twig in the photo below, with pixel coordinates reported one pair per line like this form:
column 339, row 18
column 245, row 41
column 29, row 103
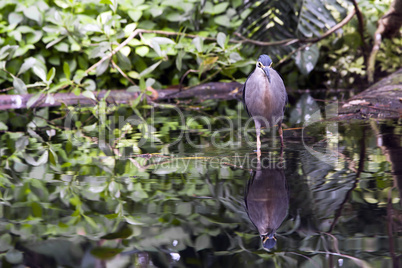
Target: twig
column 244, row 39
column 123, row 44
column 6, row 89
column 361, row 29
column 373, row 54
column 122, row 73
column 288, row 42
column 184, row 76
column 37, row 84
column 291, row 53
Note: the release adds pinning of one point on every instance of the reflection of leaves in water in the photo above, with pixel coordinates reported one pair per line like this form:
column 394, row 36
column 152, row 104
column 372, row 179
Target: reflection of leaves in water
column 304, row 108
column 105, row 253
column 329, row 188
column 188, row 207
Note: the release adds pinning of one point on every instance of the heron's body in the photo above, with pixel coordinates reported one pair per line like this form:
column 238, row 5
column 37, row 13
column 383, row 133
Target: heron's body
column 267, row 202
column 265, row 97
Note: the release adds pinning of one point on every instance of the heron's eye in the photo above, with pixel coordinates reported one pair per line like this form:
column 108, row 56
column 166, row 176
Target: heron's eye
column 259, row 64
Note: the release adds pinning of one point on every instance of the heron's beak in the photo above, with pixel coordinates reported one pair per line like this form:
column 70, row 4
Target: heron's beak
column 268, row 241
column 268, row 237
column 266, row 71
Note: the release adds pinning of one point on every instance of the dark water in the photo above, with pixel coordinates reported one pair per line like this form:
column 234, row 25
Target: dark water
column 331, row 200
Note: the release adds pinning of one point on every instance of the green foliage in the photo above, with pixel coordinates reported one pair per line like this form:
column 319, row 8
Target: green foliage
column 50, row 46
column 342, row 55
column 390, row 54
column 62, row 189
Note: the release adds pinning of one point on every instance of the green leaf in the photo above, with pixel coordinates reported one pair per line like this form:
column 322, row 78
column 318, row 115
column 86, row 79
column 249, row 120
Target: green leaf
column 150, row 82
column 123, row 233
column 79, row 74
column 222, row 20
column 7, row 52
column 150, row 69
column 28, row 64
column 142, row 51
column 14, row 256
column 89, row 94
column 19, row 86
column 133, row 89
column 197, row 41
column 221, row 39
column 41, row 160
column 91, row 222
column 66, row 70
column 5, row 242
column 107, row 2
column 105, row 253
column 202, row 242
column 33, row 99
column 69, row 146
column 3, row 126
column 135, row 15
column 32, row 12
column 219, row 8
column 53, row 157
column 62, row 47
column 306, row 59
column 36, row 209
column 179, row 59
column 89, row 84
column 14, row 18
column 33, row 38
column 102, row 67
column 54, row 42
column 135, row 102
column 40, row 73
column 123, row 61
column 50, row 75
column 163, row 40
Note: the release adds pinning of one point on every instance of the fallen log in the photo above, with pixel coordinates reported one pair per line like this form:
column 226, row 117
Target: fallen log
column 381, row 100
column 214, row 90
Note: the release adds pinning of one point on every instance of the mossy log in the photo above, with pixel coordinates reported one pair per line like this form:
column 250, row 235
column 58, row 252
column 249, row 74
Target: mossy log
column 381, row 100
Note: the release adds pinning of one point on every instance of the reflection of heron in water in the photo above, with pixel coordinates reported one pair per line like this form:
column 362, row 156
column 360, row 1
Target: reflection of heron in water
column 267, row 202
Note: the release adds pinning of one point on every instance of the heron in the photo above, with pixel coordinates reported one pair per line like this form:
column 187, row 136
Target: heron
column 267, row 202
column 264, row 97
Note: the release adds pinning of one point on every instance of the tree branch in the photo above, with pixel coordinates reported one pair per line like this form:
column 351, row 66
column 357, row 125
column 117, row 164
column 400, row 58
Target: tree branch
column 122, row 73
column 361, row 29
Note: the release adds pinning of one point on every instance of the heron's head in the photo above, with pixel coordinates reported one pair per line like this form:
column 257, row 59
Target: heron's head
column 268, row 241
column 264, row 63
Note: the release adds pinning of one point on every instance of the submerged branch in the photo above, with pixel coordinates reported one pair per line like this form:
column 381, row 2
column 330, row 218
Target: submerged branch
column 216, row 90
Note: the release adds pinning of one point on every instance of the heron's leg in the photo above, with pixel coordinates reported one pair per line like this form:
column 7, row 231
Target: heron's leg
column 258, row 132
column 280, row 134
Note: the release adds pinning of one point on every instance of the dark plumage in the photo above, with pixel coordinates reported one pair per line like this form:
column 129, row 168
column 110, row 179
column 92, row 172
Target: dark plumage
column 265, row 97
column 267, row 202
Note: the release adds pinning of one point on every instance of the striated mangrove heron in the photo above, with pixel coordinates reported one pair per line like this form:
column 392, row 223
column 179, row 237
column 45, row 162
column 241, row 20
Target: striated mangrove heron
column 267, row 203
column 265, row 97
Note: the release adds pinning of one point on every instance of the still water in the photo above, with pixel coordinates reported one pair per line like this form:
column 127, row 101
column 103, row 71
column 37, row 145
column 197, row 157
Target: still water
column 75, row 198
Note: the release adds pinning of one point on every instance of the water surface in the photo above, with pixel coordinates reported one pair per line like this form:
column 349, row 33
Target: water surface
column 76, row 196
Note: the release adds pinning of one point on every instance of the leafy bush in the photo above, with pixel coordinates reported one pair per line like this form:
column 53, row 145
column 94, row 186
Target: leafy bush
column 51, row 45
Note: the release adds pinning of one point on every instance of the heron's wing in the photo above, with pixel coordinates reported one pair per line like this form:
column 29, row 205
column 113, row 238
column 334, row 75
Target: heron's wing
column 278, row 83
column 249, row 183
column 244, row 94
